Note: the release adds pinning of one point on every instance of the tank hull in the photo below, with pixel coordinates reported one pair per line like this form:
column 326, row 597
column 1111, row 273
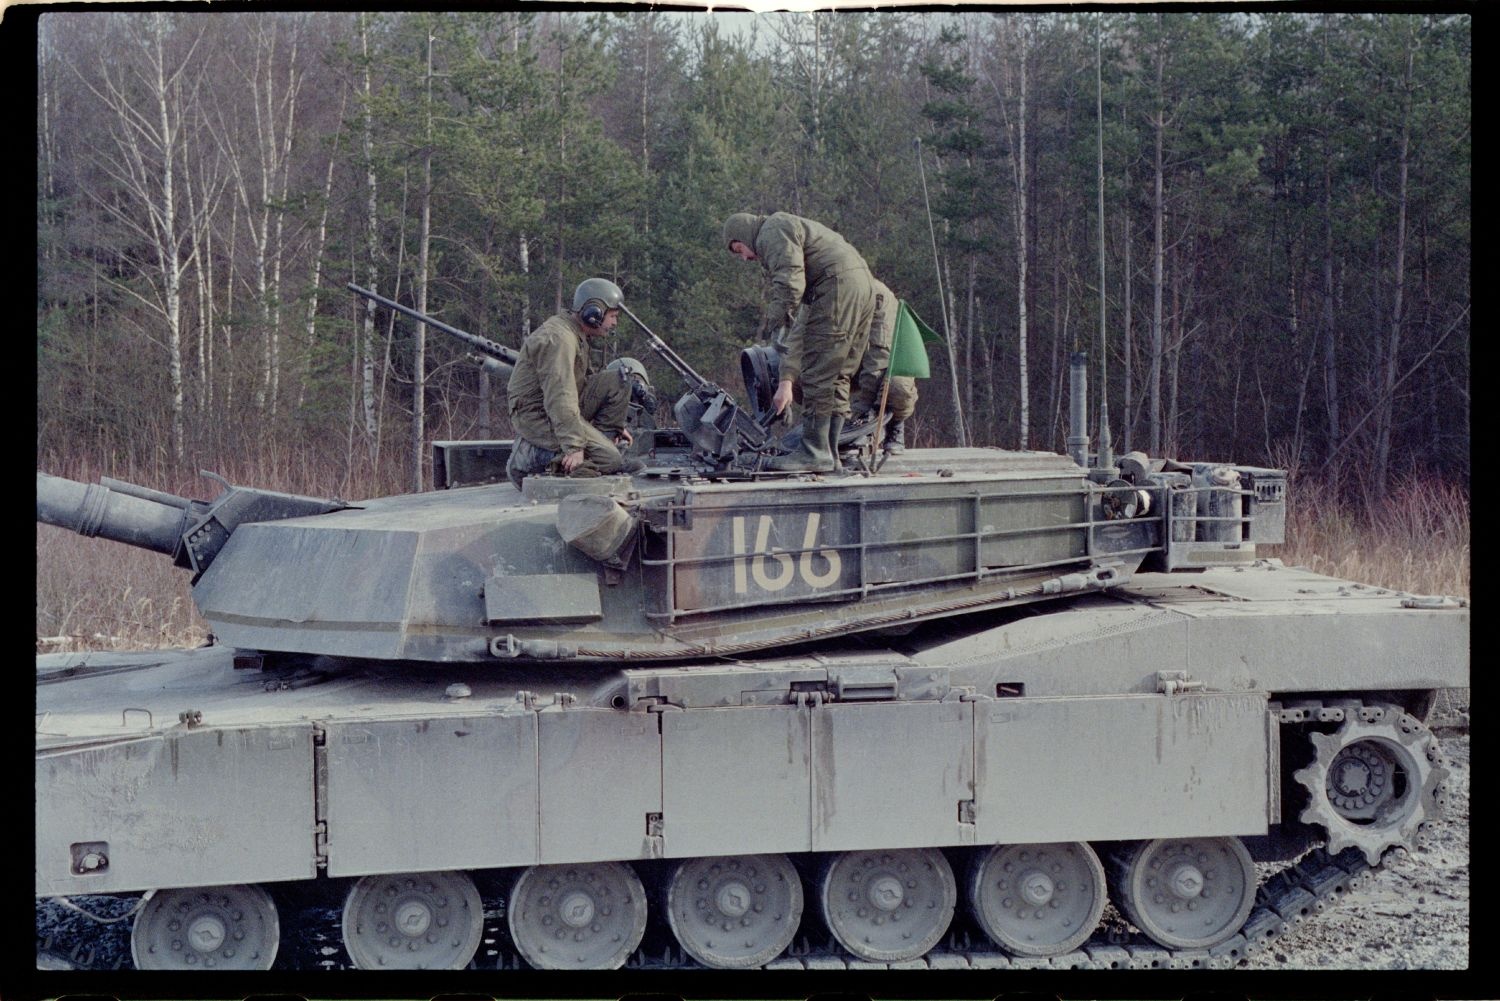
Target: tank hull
column 1166, row 708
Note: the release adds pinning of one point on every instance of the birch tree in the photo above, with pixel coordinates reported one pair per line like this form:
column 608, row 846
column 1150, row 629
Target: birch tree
column 1012, row 44
column 148, row 84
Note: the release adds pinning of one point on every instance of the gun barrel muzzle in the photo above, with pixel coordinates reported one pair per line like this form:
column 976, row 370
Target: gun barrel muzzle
column 96, row 510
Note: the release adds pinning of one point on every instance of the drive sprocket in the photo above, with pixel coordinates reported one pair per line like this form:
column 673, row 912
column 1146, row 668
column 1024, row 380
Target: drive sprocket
column 1375, row 782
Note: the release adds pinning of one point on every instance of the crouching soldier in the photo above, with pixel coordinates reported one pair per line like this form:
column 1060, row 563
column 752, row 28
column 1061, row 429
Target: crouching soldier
column 864, row 395
column 569, row 419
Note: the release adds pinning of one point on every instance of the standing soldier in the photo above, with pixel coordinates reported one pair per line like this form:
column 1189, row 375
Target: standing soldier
column 901, row 400
column 568, row 418
column 808, row 262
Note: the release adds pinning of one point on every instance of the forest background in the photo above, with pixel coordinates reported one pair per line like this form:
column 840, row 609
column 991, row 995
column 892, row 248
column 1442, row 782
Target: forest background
column 1286, row 241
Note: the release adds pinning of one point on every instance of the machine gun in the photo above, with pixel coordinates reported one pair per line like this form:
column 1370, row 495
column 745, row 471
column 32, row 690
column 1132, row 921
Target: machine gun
column 500, row 361
column 718, row 427
column 497, row 359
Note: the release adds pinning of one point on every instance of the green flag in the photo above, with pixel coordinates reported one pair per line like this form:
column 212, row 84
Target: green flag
column 909, row 344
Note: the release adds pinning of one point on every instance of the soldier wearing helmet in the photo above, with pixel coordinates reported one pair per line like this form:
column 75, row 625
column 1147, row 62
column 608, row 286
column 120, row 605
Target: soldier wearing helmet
column 810, row 263
column 570, row 419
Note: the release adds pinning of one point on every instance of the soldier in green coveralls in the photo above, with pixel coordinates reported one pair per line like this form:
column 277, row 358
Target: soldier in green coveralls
column 901, row 399
column 569, row 419
column 810, row 263
column 865, row 386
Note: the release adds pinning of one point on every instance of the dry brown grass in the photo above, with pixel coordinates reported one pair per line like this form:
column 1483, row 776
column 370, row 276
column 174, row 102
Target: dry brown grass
column 97, row 595
column 1417, row 540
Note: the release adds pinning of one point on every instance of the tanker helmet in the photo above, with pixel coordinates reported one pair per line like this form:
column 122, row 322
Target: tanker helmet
column 629, row 368
column 595, row 296
column 634, row 374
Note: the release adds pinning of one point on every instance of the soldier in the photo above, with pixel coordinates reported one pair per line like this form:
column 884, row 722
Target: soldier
column 901, row 399
column 865, row 386
column 568, row 418
column 810, row 263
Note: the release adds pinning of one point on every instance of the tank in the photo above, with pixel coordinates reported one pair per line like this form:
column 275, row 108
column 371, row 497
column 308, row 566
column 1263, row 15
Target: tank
column 934, row 715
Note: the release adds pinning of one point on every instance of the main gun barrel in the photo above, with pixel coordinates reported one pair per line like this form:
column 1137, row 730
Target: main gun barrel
column 98, row 510
column 190, row 531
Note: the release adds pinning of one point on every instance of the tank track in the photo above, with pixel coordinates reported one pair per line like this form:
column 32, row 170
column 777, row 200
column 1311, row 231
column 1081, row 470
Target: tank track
column 1313, row 885
column 1316, row 883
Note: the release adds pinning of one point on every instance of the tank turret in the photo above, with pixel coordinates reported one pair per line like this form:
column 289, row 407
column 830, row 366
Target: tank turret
column 670, row 564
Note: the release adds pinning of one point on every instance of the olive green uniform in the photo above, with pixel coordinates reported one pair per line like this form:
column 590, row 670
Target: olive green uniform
column 901, row 399
column 810, row 263
column 558, row 404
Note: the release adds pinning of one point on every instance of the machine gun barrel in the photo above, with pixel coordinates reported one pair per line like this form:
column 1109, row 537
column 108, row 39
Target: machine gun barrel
column 669, row 356
column 499, row 352
column 708, row 415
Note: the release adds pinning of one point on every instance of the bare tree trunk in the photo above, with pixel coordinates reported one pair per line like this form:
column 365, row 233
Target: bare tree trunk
column 1128, row 417
column 525, row 295
column 1105, row 443
column 1158, row 212
column 958, row 405
column 228, row 366
column 372, row 250
column 284, row 166
column 1435, row 405
column 206, row 263
column 562, row 157
column 419, row 365
column 1023, row 255
column 1059, row 333
column 1330, row 341
column 1173, row 353
column 355, row 362
column 310, row 325
column 648, row 27
column 1398, row 278
column 47, row 135
column 199, row 256
column 1017, row 132
column 390, row 323
column 1330, row 338
column 171, row 258
column 969, row 343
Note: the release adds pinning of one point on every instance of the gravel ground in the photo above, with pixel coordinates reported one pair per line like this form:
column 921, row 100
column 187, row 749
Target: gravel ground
column 1414, row 915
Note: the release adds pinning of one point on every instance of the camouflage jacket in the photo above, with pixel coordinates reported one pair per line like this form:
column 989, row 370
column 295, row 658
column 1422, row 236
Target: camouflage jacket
column 549, row 377
column 797, row 253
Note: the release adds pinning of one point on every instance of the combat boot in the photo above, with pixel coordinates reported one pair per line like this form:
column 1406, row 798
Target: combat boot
column 895, row 437
column 835, row 430
column 811, row 456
